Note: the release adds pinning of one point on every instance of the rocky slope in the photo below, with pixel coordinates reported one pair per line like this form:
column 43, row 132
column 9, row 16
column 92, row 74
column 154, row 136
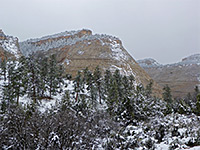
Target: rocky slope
column 77, row 50
column 9, row 46
column 182, row 77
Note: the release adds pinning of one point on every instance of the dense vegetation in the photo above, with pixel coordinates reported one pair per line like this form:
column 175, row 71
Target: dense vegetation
column 108, row 111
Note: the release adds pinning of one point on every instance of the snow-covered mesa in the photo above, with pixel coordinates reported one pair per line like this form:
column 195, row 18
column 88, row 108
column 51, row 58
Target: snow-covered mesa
column 29, row 46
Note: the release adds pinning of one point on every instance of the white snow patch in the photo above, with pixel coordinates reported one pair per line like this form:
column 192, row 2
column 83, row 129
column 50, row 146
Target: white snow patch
column 194, row 148
column 162, row 146
column 118, row 54
column 80, row 52
column 67, row 61
column 198, row 78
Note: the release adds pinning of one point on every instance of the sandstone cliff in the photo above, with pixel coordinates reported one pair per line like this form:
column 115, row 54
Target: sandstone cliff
column 9, row 46
column 182, row 77
column 77, row 50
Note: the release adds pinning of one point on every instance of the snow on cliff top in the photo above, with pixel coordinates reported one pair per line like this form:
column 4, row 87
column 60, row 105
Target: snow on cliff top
column 9, row 44
column 151, row 63
column 148, row 63
column 193, row 59
column 30, row 46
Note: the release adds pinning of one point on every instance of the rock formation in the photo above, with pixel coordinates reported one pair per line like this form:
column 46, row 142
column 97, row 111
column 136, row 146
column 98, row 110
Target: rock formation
column 9, row 46
column 182, row 77
column 77, row 50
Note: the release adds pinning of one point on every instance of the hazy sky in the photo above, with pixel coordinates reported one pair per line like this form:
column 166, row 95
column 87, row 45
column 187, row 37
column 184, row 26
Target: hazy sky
column 166, row 30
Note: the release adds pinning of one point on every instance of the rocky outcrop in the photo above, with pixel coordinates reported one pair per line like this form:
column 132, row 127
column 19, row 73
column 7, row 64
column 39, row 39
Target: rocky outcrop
column 148, row 63
column 182, row 77
column 9, row 46
column 77, row 50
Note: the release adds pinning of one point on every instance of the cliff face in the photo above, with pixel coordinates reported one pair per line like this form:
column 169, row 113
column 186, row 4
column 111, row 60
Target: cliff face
column 9, row 46
column 77, row 50
column 182, row 77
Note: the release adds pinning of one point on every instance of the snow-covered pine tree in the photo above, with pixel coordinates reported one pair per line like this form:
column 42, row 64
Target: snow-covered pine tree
column 60, row 77
column 53, row 82
column 97, row 80
column 107, row 82
column 88, row 79
column 77, row 85
column 148, row 89
column 8, row 94
column 3, row 66
column 43, row 73
column 33, row 78
column 20, row 78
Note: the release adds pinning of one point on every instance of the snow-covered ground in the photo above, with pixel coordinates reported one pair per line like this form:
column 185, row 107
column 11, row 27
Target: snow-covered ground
column 178, row 129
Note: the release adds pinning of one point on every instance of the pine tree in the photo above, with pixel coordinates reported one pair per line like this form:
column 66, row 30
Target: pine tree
column 167, row 94
column 88, row 79
column 148, row 90
column 43, row 72
column 197, row 110
column 97, row 81
column 196, row 92
column 53, row 82
column 126, row 89
column 21, row 78
column 3, row 68
column 139, row 91
column 66, row 102
column 60, row 76
column 77, row 85
column 87, row 76
column 33, row 78
column 8, row 87
column 118, row 83
column 168, row 98
column 107, row 81
column 113, row 97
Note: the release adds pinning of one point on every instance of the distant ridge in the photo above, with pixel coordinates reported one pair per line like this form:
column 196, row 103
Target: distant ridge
column 182, row 77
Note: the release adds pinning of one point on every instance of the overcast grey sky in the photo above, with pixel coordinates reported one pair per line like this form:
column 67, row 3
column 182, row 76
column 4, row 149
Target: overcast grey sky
column 166, row 30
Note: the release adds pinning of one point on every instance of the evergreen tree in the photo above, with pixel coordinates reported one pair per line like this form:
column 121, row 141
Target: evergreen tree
column 77, row 85
column 168, row 98
column 118, row 83
column 167, row 94
column 43, row 72
column 113, row 97
column 3, row 68
column 8, row 87
column 33, row 78
column 97, row 81
column 60, row 76
column 139, row 91
column 107, row 81
column 197, row 109
column 88, row 79
column 148, row 90
column 126, row 89
column 21, row 79
column 66, row 102
column 196, row 92
column 87, row 76
column 53, row 82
